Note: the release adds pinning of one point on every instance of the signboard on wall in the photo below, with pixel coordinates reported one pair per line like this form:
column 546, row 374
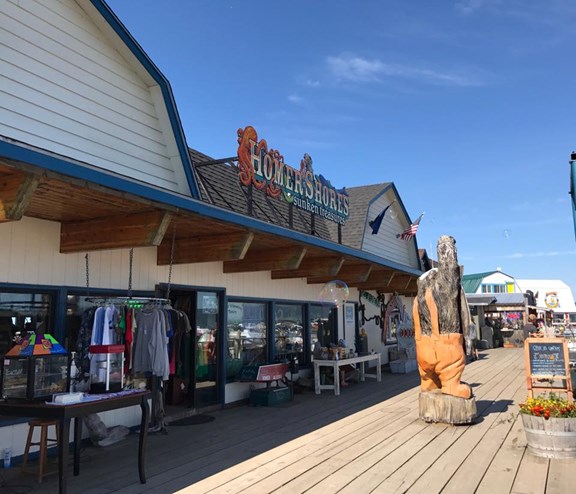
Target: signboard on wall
column 349, row 324
column 264, row 168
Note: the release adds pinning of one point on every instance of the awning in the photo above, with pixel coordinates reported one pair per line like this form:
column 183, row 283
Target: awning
column 103, row 216
column 480, row 298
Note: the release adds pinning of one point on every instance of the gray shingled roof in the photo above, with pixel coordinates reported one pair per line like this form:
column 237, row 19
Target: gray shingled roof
column 509, row 298
column 219, row 185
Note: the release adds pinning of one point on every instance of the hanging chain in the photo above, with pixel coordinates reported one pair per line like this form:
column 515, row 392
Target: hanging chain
column 87, row 275
column 171, row 262
column 130, row 272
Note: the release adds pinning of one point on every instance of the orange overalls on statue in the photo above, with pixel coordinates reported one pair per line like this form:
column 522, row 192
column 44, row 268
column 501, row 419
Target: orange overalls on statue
column 441, row 358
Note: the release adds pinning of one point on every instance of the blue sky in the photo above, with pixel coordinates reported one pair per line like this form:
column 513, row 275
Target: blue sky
column 468, row 106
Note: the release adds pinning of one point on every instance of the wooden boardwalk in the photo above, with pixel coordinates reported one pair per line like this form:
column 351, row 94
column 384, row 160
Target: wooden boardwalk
column 367, row 440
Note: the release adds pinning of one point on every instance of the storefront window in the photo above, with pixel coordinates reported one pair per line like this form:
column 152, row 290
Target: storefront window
column 22, row 313
column 289, row 332
column 322, row 327
column 247, row 340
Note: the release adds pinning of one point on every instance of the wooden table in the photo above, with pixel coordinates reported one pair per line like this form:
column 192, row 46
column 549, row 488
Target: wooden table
column 65, row 414
column 335, row 364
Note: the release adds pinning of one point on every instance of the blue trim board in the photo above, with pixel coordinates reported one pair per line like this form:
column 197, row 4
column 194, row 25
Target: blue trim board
column 110, row 17
column 573, row 190
column 270, row 331
column 73, row 169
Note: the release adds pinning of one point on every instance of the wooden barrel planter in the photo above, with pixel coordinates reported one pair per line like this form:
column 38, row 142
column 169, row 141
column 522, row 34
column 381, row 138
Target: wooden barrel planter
column 552, row 438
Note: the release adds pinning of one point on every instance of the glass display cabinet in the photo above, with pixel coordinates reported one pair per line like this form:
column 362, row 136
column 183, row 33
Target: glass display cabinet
column 35, row 369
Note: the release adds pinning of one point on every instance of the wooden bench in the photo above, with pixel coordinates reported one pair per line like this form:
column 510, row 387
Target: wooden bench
column 266, row 373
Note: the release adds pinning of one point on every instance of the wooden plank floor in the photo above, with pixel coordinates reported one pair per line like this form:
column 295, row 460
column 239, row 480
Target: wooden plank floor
column 367, row 440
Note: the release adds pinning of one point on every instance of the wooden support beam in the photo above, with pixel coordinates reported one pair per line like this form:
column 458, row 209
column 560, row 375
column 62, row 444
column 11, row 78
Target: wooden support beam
column 349, row 274
column 377, row 277
column 398, row 283
column 16, row 192
column 312, row 266
column 267, row 260
column 403, row 283
column 133, row 230
column 382, row 282
column 229, row 247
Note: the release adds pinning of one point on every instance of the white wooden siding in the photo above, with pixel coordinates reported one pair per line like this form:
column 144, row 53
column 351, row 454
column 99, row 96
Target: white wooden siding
column 65, row 87
column 30, row 255
column 385, row 244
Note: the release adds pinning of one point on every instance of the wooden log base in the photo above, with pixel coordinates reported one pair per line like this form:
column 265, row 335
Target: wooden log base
column 438, row 407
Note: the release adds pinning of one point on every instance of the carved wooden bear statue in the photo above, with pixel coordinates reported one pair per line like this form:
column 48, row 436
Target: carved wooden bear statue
column 441, row 317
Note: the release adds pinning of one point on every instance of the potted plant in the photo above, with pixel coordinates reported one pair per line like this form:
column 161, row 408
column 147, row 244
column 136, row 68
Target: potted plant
column 550, row 426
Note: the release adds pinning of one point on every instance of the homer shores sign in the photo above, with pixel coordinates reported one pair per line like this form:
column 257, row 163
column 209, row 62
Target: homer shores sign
column 264, row 168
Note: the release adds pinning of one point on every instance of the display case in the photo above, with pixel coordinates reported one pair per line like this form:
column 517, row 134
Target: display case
column 35, row 377
column 35, row 369
column 106, row 368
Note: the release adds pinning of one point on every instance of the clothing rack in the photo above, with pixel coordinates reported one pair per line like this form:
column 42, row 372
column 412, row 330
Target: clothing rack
column 130, row 301
column 155, row 383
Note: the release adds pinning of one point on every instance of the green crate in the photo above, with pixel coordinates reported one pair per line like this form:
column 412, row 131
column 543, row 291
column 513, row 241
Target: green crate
column 268, row 397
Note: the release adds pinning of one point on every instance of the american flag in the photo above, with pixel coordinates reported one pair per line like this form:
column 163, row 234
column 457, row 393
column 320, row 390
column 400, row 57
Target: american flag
column 411, row 230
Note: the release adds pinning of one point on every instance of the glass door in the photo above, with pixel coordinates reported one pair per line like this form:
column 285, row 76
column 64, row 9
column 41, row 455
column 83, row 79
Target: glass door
column 197, row 384
column 207, row 319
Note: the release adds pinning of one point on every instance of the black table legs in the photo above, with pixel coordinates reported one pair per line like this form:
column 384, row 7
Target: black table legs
column 143, row 435
column 77, row 444
column 63, row 454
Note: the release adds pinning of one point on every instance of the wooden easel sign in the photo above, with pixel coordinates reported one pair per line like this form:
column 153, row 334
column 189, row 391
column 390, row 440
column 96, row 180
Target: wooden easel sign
column 547, row 362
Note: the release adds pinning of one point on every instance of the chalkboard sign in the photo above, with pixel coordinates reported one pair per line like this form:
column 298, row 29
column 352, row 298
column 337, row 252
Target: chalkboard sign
column 547, row 365
column 547, row 358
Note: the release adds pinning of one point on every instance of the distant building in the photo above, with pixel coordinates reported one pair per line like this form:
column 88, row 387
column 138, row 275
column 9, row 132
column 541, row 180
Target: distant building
column 496, row 295
column 490, row 282
column 555, row 296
